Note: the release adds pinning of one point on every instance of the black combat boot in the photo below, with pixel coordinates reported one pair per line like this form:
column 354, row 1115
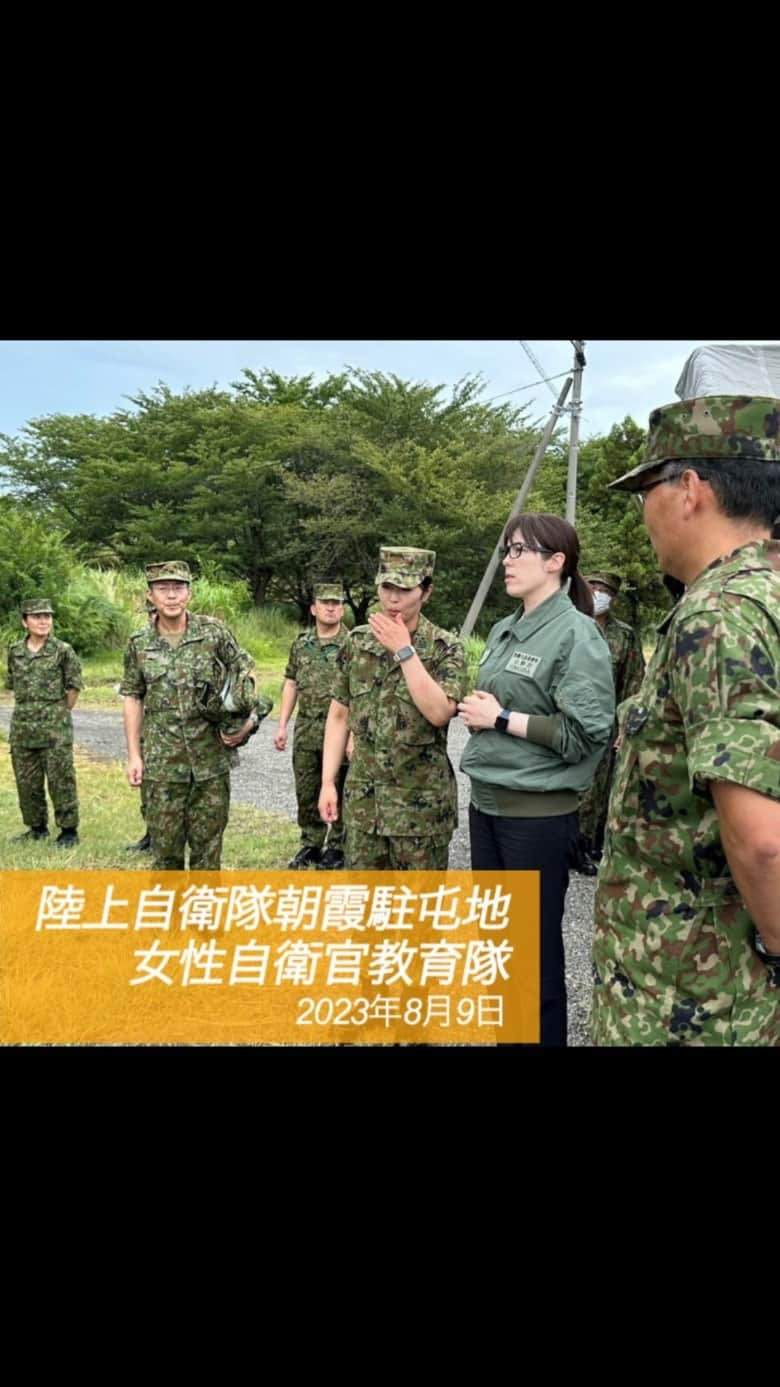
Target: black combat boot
column 68, row 838
column 332, row 860
column 143, row 845
column 40, row 832
column 307, row 857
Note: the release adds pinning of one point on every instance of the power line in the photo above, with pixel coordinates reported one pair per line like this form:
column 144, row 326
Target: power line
column 537, row 364
column 518, row 388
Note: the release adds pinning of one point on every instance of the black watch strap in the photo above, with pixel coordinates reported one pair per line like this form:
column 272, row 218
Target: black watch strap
column 501, row 723
column 762, row 951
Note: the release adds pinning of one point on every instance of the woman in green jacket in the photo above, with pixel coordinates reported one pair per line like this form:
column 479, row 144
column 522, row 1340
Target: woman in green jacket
column 542, row 714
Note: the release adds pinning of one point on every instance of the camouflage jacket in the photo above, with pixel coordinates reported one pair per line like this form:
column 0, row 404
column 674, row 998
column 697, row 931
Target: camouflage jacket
column 40, row 680
column 312, row 665
column 628, row 662
column 400, row 782
column 672, row 946
column 178, row 741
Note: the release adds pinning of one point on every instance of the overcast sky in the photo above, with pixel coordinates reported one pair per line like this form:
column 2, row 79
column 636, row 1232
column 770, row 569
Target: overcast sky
column 83, row 377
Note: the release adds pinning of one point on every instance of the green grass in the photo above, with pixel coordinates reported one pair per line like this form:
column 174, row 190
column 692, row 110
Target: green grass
column 110, row 819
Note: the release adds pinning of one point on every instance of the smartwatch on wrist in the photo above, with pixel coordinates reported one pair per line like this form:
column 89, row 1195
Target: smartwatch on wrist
column 405, row 653
column 501, row 723
column 763, row 953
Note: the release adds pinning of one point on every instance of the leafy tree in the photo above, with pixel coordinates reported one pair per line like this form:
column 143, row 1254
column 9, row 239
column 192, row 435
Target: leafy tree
column 280, row 481
column 34, row 558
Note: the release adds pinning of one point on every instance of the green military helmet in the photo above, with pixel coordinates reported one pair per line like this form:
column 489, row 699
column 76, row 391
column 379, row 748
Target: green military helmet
column 613, row 581
column 37, row 606
column 328, row 592
column 405, row 568
column 172, row 569
column 730, row 428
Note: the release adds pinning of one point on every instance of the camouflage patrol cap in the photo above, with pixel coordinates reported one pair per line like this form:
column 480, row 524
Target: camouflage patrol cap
column 37, row 606
column 607, row 580
column 173, row 569
column 229, row 703
column 328, row 592
column 405, row 568
column 733, row 428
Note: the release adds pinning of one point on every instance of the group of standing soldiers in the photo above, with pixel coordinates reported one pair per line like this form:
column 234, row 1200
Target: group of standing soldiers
column 182, row 731
column 686, row 936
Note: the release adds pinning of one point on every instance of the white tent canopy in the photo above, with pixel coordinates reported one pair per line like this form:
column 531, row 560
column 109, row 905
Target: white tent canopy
column 730, row 371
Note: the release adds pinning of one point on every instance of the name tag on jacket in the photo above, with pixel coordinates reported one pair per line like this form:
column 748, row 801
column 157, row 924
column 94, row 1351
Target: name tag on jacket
column 523, row 663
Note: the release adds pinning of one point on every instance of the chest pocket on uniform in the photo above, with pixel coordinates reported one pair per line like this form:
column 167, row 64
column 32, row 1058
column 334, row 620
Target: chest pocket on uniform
column 411, row 728
column 310, row 675
column 159, row 689
column 649, row 750
column 50, row 681
column 39, row 679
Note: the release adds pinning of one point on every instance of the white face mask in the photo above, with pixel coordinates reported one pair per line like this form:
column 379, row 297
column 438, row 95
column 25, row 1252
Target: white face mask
column 601, row 603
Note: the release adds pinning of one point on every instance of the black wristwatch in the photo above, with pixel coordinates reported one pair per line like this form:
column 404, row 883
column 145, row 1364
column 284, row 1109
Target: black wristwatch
column 501, row 723
column 763, row 953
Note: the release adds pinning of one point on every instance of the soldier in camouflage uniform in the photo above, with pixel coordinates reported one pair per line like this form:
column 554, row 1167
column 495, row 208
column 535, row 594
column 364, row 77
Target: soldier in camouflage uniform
column 400, row 680
column 628, row 667
column 181, row 674
column 309, row 678
column 144, row 843
column 45, row 675
column 687, row 929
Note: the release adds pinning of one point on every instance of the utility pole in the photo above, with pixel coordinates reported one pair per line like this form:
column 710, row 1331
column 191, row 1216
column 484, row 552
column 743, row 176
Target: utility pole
column 490, row 572
column 574, row 432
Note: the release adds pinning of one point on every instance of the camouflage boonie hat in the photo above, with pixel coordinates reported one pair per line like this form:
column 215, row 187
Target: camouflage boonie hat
column 731, row 427
column 173, row 569
column 328, row 592
column 405, row 568
column 37, row 606
column 607, row 580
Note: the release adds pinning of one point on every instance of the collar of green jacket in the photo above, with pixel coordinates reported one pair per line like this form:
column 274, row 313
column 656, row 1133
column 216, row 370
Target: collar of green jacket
column 523, row 624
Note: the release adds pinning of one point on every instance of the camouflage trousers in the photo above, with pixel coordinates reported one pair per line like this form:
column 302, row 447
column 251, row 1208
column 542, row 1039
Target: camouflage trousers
column 33, row 766
column 595, row 802
column 372, row 852
column 307, row 767
column 188, row 811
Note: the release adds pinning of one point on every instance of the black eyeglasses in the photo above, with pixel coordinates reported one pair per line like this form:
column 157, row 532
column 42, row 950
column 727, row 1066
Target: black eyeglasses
column 639, row 496
column 514, row 551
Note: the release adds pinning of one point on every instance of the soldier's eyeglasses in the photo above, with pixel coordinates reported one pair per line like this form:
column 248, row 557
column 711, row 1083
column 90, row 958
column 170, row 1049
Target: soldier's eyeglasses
column 639, row 496
column 515, row 551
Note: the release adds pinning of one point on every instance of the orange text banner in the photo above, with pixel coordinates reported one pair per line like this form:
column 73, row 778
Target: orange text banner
column 292, row 958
